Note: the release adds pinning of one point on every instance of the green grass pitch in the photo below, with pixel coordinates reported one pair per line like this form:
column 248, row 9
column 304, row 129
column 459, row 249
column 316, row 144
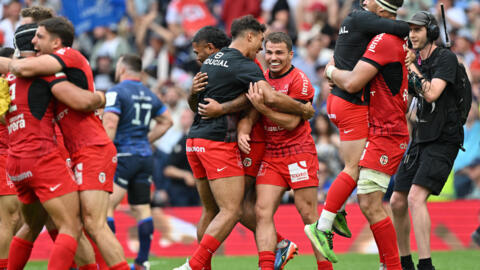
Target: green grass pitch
column 448, row 260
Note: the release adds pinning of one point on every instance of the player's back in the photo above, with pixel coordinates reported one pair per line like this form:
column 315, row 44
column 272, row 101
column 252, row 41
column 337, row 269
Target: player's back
column 30, row 117
column 136, row 105
column 389, row 88
column 79, row 128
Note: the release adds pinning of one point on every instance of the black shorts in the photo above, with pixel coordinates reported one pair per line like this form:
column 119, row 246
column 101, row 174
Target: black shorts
column 427, row 165
column 134, row 173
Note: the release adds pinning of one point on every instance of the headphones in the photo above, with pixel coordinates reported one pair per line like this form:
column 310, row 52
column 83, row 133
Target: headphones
column 432, row 27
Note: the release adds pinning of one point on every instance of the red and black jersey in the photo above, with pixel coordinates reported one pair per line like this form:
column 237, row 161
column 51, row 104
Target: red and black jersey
column 3, row 139
column 79, row 128
column 389, row 88
column 279, row 141
column 29, row 120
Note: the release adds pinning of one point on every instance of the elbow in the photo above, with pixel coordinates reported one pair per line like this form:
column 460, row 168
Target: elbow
column 270, row 98
column 352, row 87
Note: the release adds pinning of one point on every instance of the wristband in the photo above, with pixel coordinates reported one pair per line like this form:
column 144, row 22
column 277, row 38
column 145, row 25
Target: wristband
column 329, row 71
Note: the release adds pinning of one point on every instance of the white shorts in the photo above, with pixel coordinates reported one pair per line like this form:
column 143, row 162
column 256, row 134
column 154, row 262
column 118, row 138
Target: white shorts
column 370, row 181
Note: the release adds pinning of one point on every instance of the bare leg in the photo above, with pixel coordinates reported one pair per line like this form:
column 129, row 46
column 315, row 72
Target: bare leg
column 401, row 220
column 209, row 207
column 267, row 203
column 248, row 217
column 9, row 220
column 417, row 200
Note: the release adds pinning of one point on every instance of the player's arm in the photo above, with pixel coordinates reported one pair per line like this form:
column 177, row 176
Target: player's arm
column 4, row 62
column 244, row 128
column 213, row 109
column 35, row 66
column 352, row 81
column 199, row 82
column 370, row 23
column 176, row 173
column 164, row 122
column 286, row 121
column 431, row 90
column 77, row 98
column 110, row 123
column 285, row 103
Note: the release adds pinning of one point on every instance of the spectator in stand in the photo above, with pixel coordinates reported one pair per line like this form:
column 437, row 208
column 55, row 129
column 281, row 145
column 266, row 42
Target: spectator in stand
column 473, row 171
column 10, row 22
column 327, row 142
column 463, row 183
column 282, row 19
column 233, row 9
column 103, row 74
column 312, row 15
column 307, row 58
column 325, row 179
column 143, row 13
column 456, row 17
column 182, row 191
column 55, row 5
column 109, row 43
column 156, row 57
column 462, row 46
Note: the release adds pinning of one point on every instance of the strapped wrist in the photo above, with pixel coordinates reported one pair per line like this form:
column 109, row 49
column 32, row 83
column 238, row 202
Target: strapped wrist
column 329, row 71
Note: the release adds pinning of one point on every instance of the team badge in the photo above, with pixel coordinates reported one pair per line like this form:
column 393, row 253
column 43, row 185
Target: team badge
column 114, row 159
column 247, row 162
column 384, row 160
column 102, row 177
column 403, row 146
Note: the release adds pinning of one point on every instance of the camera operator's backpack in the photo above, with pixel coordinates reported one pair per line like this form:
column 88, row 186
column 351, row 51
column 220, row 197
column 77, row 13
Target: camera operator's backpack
column 463, row 93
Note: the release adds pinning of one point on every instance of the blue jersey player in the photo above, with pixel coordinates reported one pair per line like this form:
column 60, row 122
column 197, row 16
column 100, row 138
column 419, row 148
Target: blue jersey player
column 129, row 109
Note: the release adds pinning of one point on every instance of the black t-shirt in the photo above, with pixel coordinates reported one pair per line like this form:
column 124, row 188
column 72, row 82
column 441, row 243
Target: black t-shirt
column 178, row 158
column 356, row 31
column 229, row 75
column 439, row 120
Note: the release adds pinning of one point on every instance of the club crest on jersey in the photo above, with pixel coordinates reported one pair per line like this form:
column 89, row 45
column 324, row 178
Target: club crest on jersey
column 247, row 162
column 384, row 160
column 102, row 177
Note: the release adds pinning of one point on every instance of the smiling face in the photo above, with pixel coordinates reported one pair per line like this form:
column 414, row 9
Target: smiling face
column 43, row 41
column 278, row 57
column 255, row 40
column 203, row 50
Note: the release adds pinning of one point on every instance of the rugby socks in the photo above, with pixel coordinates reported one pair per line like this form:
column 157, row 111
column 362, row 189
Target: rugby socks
column 63, row 252
column 266, row 260
column 88, row 267
column 102, row 265
column 386, row 238
column 425, row 264
column 111, row 223
column 337, row 195
column 407, row 262
column 19, row 253
column 3, row 264
column 324, row 265
column 121, row 266
column 380, row 253
column 145, row 231
column 279, row 238
column 204, row 252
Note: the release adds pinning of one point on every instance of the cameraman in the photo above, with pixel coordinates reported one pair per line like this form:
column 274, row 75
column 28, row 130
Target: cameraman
column 436, row 138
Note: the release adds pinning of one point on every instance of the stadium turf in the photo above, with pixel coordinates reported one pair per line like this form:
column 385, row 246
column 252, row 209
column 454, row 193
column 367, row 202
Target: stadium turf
column 451, row 260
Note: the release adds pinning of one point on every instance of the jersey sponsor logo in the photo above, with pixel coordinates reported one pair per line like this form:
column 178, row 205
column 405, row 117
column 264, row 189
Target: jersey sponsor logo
column 102, row 177
column 10, row 183
column 272, row 128
column 221, row 169
column 384, row 160
column 305, row 84
column 15, row 123
column 247, row 162
column 343, row 30
column 262, row 169
column 375, row 42
column 111, row 97
column 200, row 149
column 79, row 173
column 61, row 51
column 20, row 177
column 52, row 189
column 332, row 116
column 216, row 62
column 61, row 115
column 298, row 171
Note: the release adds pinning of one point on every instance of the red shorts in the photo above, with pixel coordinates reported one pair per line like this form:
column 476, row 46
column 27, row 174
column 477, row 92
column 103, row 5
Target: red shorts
column 6, row 186
column 214, row 159
column 384, row 153
column 350, row 119
column 252, row 161
column 42, row 178
column 95, row 166
column 296, row 171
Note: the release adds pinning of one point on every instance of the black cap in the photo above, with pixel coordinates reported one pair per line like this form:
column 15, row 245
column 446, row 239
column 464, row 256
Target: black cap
column 420, row 18
column 24, row 35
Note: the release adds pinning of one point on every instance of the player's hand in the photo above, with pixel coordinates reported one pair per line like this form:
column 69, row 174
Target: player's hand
column 101, row 94
column 189, row 180
column 244, row 142
column 255, row 95
column 410, row 58
column 308, row 111
column 199, row 82
column 211, row 109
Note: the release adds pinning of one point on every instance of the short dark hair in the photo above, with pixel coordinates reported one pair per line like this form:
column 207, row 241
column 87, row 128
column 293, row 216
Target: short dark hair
column 60, row 27
column 132, row 61
column 37, row 13
column 279, row 37
column 248, row 22
column 7, row 52
column 210, row 34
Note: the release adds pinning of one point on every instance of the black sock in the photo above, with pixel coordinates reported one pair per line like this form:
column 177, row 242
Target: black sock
column 425, row 264
column 478, row 230
column 407, row 262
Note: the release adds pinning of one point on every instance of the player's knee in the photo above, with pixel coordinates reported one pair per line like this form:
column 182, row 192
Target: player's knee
column 93, row 225
column 262, row 212
column 307, row 211
column 415, row 201
column 398, row 203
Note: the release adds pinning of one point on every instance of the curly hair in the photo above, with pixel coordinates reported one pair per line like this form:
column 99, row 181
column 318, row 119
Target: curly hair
column 248, row 22
column 210, row 34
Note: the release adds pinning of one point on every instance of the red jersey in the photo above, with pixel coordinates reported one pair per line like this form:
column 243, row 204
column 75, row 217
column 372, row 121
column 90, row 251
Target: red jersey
column 279, row 141
column 389, row 88
column 3, row 139
column 257, row 134
column 30, row 117
column 79, row 128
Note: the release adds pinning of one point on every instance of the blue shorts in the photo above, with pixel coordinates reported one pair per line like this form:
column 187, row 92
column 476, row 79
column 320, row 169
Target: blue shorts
column 134, row 173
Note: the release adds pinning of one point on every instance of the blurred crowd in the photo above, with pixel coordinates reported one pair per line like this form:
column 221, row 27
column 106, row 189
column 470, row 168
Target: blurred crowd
column 160, row 32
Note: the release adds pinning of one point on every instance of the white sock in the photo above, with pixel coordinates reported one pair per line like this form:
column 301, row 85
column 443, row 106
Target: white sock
column 326, row 220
